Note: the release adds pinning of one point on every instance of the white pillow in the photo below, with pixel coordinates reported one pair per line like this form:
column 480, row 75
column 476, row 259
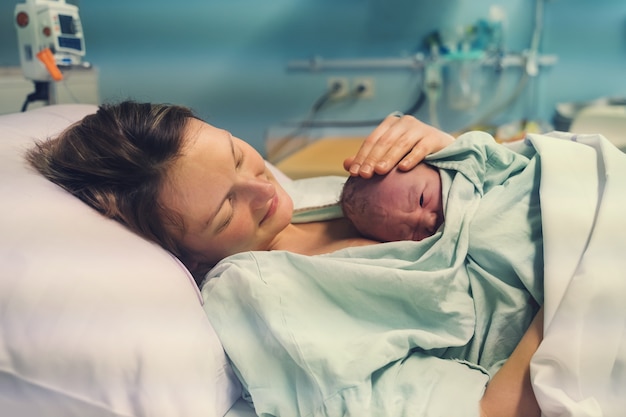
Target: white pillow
column 95, row 321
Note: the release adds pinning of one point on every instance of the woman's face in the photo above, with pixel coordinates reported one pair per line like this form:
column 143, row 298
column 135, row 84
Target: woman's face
column 228, row 200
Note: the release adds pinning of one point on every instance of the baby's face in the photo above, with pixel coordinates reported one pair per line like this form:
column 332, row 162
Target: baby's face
column 409, row 203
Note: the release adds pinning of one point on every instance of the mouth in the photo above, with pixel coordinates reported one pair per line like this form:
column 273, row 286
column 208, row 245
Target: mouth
column 271, row 210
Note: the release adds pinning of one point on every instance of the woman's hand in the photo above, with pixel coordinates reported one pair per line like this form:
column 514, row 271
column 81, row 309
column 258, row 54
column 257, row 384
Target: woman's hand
column 398, row 140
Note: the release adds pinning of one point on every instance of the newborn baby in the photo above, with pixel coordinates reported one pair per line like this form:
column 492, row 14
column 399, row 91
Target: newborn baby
column 398, row 206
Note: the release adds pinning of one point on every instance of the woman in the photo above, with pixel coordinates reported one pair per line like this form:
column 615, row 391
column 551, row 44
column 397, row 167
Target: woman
column 204, row 195
column 167, row 175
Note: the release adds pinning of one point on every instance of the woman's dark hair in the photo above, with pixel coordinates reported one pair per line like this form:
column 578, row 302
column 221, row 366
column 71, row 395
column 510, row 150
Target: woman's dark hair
column 117, row 161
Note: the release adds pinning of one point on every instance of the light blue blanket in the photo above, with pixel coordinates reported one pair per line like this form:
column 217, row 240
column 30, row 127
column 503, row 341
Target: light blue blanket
column 395, row 329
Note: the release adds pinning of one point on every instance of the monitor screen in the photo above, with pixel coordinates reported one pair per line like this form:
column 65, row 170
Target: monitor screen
column 67, row 24
column 71, row 43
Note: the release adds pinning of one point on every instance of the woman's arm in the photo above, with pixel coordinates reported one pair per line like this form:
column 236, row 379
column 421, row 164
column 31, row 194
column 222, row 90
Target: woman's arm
column 401, row 140
column 510, row 393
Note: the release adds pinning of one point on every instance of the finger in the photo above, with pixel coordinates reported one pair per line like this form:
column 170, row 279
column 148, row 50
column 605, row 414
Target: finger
column 388, row 132
column 403, row 145
column 371, row 148
column 411, row 159
column 348, row 162
column 406, row 141
column 430, row 143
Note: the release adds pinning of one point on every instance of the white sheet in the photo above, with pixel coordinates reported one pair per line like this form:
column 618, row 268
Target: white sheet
column 241, row 409
column 580, row 367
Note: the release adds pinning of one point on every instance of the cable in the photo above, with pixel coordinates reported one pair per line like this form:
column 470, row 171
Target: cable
column 432, row 87
column 500, row 107
column 67, row 88
column 527, row 73
column 414, row 108
column 308, row 122
column 41, row 93
column 316, row 107
column 532, row 67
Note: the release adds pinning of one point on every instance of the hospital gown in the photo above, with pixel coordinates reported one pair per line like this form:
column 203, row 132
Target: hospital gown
column 394, row 329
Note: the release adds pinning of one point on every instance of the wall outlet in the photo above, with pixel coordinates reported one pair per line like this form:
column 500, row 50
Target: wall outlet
column 340, row 85
column 363, row 87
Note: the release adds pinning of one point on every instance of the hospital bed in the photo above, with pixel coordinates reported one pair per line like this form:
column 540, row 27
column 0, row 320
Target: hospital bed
column 96, row 321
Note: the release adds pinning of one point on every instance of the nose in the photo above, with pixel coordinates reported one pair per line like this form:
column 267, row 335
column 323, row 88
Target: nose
column 427, row 226
column 258, row 191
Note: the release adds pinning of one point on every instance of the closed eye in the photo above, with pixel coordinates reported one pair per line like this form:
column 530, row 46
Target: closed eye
column 422, row 200
column 227, row 220
column 239, row 160
column 236, row 152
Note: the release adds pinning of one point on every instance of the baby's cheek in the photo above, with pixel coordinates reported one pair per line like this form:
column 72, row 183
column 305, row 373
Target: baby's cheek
column 394, row 232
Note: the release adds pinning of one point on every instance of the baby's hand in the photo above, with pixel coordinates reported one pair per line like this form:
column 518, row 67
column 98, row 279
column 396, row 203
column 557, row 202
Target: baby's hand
column 398, row 140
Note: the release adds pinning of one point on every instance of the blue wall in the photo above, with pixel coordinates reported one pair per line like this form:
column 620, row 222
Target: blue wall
column 228, row 59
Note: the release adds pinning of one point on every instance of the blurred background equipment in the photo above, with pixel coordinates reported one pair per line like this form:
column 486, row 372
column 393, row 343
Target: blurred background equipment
column 50, row 39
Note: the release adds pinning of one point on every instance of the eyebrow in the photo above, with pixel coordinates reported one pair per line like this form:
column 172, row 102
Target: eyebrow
column 219, row 207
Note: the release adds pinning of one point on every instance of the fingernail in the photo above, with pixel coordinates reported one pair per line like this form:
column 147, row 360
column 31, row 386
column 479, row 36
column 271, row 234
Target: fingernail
column 382, row 165
column 354, row 169
column 366, row 169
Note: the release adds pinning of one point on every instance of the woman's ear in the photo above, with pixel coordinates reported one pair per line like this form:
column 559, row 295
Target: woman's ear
column 192, row 265
column 189, row 262
column 198, row 269
column 200, row 273
column 196, row 264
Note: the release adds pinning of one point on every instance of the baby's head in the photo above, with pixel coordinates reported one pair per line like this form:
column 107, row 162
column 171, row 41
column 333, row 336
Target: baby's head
column 397, row 206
